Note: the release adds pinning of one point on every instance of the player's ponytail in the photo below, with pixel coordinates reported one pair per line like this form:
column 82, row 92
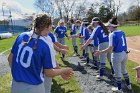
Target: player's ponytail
column 41, row 22
column 23, row 42
column 114, row 21
column 96, row 19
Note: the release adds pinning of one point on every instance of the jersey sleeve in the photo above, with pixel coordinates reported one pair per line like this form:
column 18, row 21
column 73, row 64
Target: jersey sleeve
column 96, row 42
column 13, row 49
column 48, row 59
column 56, row 30
column 53, row 38
column 87, row 33
column 111, row 39
column 80, row 28
column 84, row 32
column 94, row 34
column 66, row 28
column 72, row 27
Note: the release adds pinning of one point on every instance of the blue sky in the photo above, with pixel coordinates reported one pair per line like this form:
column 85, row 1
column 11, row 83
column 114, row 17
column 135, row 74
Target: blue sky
column 29, row 4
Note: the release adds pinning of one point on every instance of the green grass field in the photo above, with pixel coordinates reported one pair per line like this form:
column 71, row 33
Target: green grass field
column 6, row 43
column 70, row 86
column 130, row 30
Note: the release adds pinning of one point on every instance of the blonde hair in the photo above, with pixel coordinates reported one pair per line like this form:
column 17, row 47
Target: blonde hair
column 90, row 27
column 60, row 22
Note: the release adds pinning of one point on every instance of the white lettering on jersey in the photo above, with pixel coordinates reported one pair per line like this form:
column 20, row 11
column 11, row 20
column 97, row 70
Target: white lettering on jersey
column 21, row 57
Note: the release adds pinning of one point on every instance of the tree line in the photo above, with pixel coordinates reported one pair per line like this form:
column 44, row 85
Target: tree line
column 81, row 9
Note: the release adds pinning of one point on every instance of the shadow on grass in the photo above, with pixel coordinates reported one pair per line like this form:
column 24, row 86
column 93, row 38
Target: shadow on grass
column 56, row 88
column 76, row 67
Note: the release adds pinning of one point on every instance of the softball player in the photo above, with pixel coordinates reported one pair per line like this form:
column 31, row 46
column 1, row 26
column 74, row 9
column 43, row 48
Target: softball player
column 93, row 46
column 57, row 46
column 117, row 45
column 61, row 33
column 80, row 25
column 31, row 56
column 85, row 35
column 73, row 36
column 101, row 33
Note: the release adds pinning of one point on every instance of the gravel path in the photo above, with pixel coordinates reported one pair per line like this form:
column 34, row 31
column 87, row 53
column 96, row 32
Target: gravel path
column 86, row 76
column 4, row 66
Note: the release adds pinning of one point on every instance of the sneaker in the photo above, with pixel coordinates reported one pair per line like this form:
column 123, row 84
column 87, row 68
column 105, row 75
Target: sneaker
column 99, row 77
column 113, row 75
column 97, row 71
column 95, row 64
column 115, row 89
column 86, row 64
column 129, row 87
column 81, row 57
column 77, row 55
column 74, row 55
column 84, row 59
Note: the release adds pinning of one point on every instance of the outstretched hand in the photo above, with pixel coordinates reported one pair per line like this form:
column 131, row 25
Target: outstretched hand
column 97, row 53
column 68, row 72
column 66, row 47
column 82, row 47
column 64, row 51
column 81, row 36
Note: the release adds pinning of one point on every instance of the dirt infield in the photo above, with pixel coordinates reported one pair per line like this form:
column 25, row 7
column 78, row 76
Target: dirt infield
column 134, row 48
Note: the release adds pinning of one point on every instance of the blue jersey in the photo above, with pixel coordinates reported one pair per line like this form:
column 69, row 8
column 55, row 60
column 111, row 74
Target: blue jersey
column 53, row 38
column 80, row 30
column 118, row 41
column 98, row 34
column 85, row 33
column 73, row 29
column 60, row 31
column 94, row 42
column 28, row 63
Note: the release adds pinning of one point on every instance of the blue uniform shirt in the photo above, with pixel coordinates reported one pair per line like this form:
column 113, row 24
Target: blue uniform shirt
column 118, row 41
column 52, row 37
column 80, row 30
column 85, row 33
column 28, row 63
column 94, row 42
column 73, row 29
column 60, row 31
column 98, row 34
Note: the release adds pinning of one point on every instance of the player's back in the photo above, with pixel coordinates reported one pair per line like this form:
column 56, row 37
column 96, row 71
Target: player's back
column 119, row 41
column 28, row 63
